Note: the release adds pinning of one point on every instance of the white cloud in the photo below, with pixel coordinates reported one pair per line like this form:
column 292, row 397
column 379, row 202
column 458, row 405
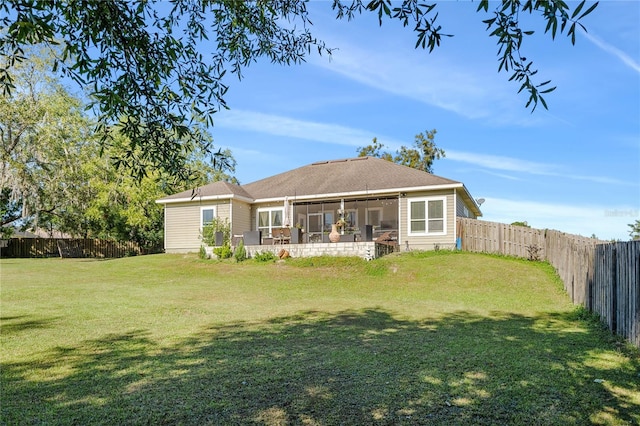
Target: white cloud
column 458, row 88
column 497, row 162
column 293, row 128
column 341, row 135
column 605, row 221
column 614, row 51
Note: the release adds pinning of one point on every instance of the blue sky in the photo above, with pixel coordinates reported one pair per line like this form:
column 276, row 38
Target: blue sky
column 575, row 167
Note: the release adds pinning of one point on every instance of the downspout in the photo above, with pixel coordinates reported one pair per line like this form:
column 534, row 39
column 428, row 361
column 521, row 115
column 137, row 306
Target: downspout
column 342, row 215
column 231, row 219
column 164, row 237
column 455, row 217
column 400, row 220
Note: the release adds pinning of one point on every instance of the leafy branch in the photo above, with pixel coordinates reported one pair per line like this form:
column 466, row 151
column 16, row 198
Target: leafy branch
column 505, row 26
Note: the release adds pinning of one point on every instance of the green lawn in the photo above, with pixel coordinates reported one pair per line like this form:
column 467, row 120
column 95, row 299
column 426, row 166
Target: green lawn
column 439, row 338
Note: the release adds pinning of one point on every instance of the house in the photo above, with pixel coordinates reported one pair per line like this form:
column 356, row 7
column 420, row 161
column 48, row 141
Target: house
column 372, row 198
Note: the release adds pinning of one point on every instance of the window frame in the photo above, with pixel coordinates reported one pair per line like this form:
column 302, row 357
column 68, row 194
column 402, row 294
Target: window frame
column 271, row 226
column 202, row 210
column 427, row 219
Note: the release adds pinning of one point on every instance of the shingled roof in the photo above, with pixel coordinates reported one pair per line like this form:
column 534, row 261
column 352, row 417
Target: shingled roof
column 361, row 174
column 218, row 189
column 348, row 176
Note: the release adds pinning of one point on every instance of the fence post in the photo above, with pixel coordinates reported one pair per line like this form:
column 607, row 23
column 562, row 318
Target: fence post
column 614, row 288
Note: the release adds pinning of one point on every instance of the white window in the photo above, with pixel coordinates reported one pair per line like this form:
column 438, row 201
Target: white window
column 427, row 216
column 207, row 214
column 269, row 218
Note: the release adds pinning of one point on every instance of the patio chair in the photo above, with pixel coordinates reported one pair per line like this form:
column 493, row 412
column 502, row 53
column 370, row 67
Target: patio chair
column 276, row 234
column 285, row 236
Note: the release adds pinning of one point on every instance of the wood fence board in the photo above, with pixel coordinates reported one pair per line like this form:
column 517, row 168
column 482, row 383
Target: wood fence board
column 64, row 247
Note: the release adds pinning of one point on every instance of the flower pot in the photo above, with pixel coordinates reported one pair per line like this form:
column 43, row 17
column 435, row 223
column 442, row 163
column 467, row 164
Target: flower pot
column 334, row 235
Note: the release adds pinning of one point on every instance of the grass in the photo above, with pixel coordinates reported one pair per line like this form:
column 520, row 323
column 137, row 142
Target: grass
column 421, row 338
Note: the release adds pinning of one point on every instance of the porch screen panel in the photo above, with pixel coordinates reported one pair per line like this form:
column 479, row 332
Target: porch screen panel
column 328, row 220
column 314, row 223
column 373, row 217
column 351, row 218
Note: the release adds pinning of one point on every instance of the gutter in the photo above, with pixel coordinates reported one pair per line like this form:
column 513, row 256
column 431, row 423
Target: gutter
column 366, row 193
column 206, row 198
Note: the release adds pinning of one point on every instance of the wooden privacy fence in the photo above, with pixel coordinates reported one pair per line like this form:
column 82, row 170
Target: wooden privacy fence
column 493, row 237
column 65, row 247
column 615, row 292
column 573, row 258
column 603, row 277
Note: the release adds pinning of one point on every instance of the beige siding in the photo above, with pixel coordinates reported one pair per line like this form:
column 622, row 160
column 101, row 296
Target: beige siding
column 241, row 213
column 462, row 209
column 428, row 242
column 182, row 224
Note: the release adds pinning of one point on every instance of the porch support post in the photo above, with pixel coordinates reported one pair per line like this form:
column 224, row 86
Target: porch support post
column 342, row 214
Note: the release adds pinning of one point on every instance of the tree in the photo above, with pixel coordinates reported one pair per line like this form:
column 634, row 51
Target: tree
column 145, row 67
column 43, row 135
column 123, row 208
column 421, row 157
column 634, row 232
column 9, row 213
column 53, row 177
column 374, row 150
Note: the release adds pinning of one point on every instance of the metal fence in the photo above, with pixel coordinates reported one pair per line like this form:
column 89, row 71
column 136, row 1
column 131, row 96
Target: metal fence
column 65, row 247
column 603, row 277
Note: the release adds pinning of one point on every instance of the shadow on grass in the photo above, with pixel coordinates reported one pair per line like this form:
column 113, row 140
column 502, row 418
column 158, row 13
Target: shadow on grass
column 364, row 367
column 12, row 325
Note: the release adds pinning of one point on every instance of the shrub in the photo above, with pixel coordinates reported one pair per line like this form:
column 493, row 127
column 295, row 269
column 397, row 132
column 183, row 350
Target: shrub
column 223, row 252
column 534, row 252
column 202, row 254
column 240, row 253
column 217, row 225
column 266, row 256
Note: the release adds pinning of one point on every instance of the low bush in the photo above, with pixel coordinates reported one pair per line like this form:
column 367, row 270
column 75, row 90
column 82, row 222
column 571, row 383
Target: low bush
column 265, row 256
column 241, row 253
column 223, row 252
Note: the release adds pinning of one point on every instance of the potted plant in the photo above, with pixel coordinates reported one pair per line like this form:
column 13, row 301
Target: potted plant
column 217, row 233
